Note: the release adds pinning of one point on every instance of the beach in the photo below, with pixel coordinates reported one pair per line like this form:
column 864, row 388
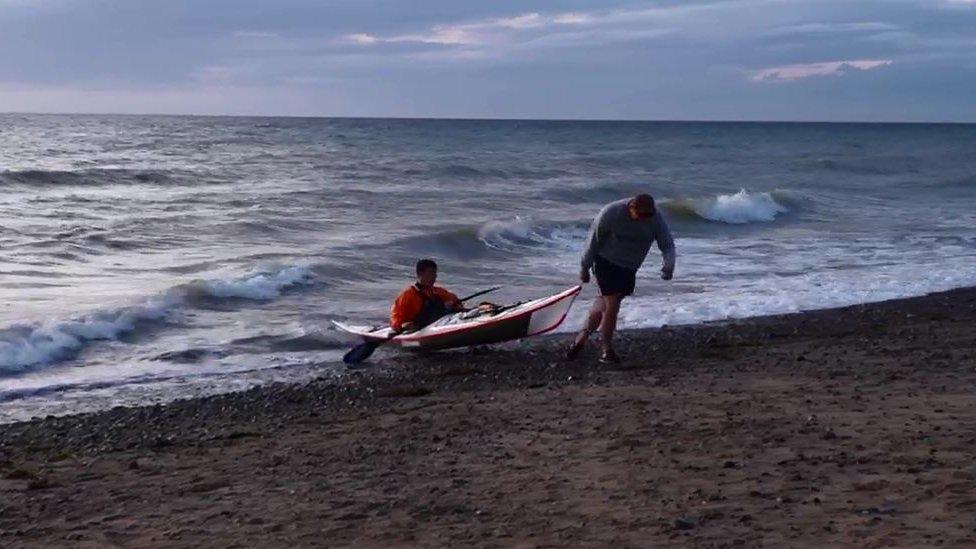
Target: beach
column 840, row 427
column 153, row 258
column 232, row 243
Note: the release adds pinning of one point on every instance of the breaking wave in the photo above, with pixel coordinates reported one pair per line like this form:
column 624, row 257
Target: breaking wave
column 256, row 287
column 525, row 233
column 737, row 209
column 517, row 234
column 521, row 234
column 26, row 346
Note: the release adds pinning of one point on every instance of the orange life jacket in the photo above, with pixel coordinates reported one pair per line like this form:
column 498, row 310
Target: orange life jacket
column 410, row 303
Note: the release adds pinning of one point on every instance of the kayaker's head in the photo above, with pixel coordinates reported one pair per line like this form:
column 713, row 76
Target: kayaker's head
column 641, row 207
column 426, row 272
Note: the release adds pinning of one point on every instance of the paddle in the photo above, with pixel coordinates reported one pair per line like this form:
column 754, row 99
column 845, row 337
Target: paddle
column 363, row 351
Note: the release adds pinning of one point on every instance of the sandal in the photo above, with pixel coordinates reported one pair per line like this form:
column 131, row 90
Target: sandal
column 609, row 357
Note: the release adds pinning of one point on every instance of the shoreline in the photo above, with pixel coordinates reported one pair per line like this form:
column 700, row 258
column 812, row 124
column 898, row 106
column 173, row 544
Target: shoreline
column 839, row 426
column 383, row 371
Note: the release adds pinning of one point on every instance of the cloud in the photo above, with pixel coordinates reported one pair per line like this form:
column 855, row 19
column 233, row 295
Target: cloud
column 533, row 25
column 599, row 37
column 460, row 34
column 572, row 18
column 444, row 35
column 619, row 58
column 526, row 21
column 362, row 38
column 788, row 73
column 828, row 28
column 957, row 5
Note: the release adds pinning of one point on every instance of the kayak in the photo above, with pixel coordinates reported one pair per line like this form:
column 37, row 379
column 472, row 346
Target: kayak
column 506, row 323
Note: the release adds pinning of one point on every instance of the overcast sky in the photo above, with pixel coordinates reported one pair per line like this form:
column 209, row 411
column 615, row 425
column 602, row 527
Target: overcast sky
column 879, row 60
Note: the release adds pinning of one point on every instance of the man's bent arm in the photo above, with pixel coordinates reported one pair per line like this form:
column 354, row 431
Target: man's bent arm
column 450, row 299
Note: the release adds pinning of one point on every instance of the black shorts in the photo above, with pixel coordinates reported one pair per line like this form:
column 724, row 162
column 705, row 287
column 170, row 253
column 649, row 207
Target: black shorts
column 614, row 279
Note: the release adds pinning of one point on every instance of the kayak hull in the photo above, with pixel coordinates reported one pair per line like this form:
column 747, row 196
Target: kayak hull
column 513, row 322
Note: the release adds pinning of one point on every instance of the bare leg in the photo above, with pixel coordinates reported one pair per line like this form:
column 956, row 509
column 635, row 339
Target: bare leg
column 609, row 324
column 593, row 320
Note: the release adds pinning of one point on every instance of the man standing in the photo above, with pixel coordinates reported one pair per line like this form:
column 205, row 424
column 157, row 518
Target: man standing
column 619, row 240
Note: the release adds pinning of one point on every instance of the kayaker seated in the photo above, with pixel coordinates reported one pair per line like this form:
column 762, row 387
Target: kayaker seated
column 422, row 303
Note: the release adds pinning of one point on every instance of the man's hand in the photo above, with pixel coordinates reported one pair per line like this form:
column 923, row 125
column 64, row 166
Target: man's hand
column 667, row 273
column 585, row 276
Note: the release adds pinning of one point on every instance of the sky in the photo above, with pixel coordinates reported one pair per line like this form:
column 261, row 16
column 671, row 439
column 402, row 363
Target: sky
column 830, row 60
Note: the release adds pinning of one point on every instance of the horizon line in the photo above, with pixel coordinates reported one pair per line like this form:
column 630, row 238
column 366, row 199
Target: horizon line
column 495, row 119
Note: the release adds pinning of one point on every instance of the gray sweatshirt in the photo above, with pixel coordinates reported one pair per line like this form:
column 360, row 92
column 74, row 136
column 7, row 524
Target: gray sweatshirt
column 623, row 241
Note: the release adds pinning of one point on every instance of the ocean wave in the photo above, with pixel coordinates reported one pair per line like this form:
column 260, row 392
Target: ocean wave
column 288, row 343
column 74, row 240
column 600, row 193
column 26, row 346
column 457, row 171
column 960, row 183
column 459, row 242
column 737, row 209
column 88, row 177
column 868, row 165
column 262, row 286
column 526, row 233
column 517, row 234
column 464, row 171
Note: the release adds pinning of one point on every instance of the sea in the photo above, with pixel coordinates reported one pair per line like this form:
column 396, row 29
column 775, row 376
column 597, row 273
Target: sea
column 151, row 258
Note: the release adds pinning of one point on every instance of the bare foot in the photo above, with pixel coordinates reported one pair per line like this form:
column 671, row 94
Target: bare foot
column 609, row 356
column 576, row 348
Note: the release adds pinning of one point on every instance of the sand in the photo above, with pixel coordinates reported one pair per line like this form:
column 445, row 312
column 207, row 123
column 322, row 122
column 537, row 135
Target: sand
column 847, row 427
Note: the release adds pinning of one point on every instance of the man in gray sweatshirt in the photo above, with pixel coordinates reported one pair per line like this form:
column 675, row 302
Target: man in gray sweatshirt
column 619, row 240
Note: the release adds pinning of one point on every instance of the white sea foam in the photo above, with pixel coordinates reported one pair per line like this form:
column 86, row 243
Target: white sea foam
column 741, row 207
column 738, row 208
column 26, row 346
column 710, row 286
column 258, row 286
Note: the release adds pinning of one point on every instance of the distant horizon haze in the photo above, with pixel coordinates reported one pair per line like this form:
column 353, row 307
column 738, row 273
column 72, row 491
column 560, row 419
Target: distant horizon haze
column 487, row 119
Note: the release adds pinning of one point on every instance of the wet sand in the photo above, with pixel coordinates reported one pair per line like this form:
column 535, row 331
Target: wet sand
column 846, row 427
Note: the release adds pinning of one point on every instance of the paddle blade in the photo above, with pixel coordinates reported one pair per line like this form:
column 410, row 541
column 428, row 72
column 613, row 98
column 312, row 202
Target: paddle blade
column 360, row 352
